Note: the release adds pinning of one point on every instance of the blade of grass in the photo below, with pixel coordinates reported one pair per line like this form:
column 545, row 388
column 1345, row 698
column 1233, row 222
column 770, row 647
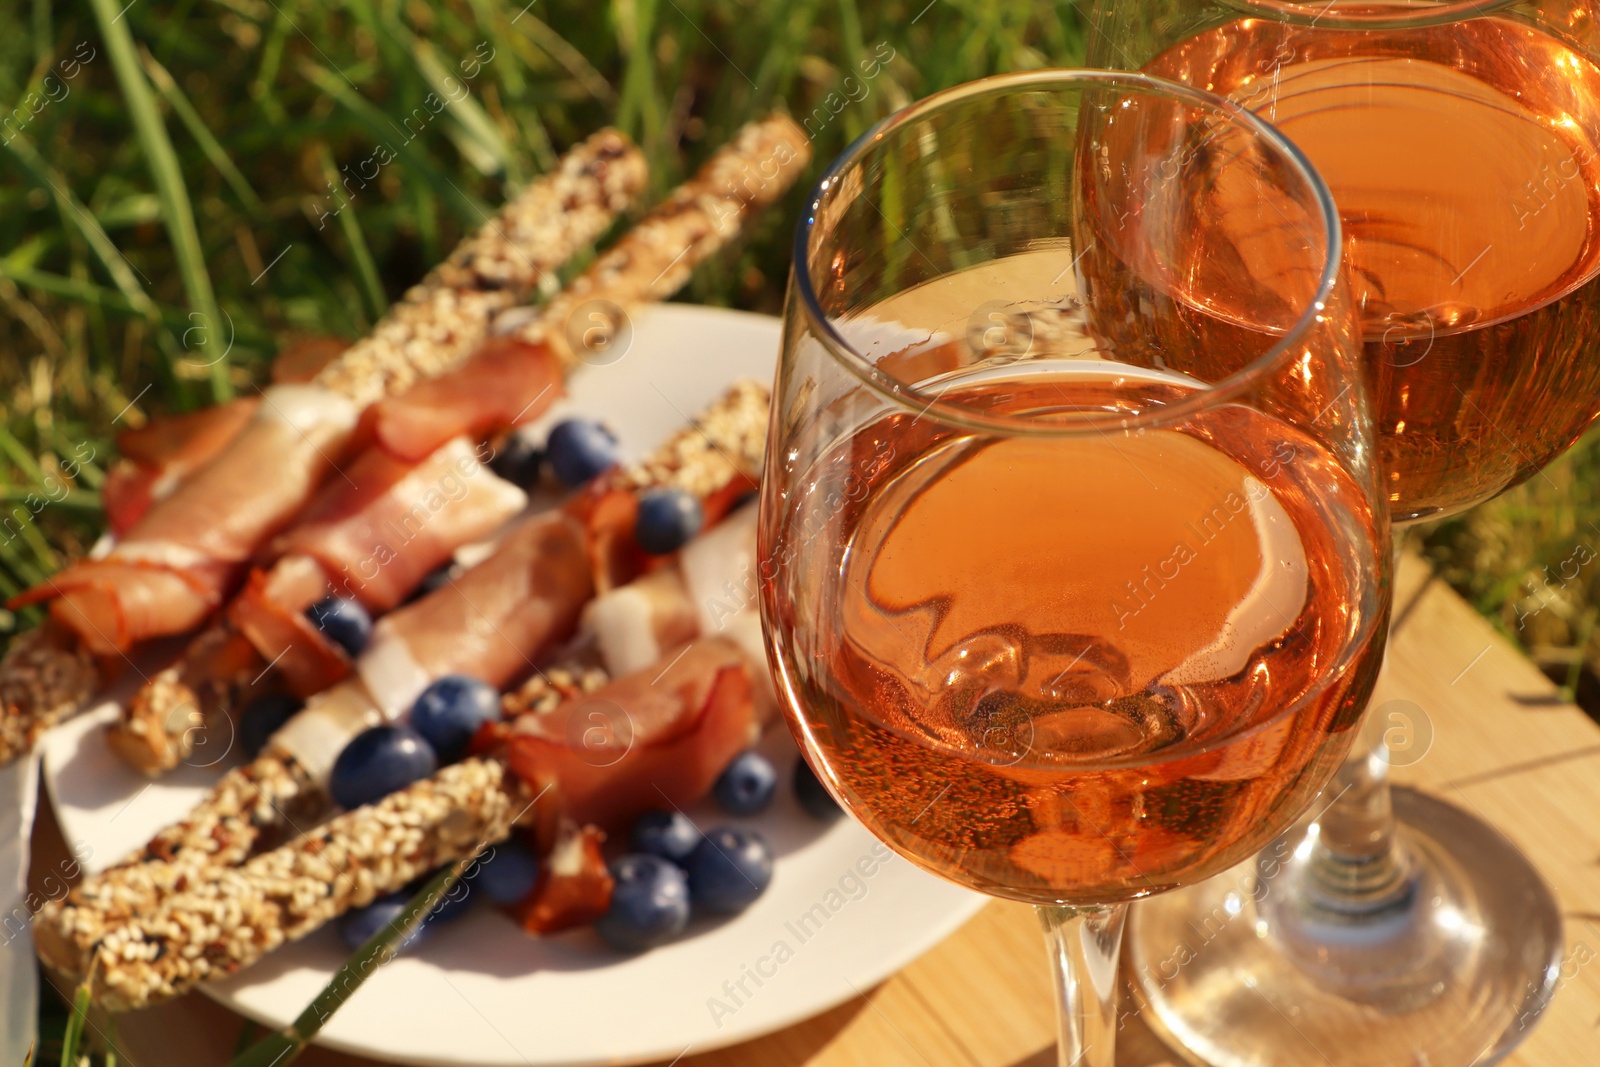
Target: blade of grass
column 281, row 1048
column 379, row 125
column 1569, row 689
column 366, row 270
column 151, row 133
column 76, row 215
column 854, row 50
column 261, row 88
column 43, row 33
column 74, row 1035
column 85, row 293
column 248, row 1033
column 27, row 572
column 44, row 556
column 775, row 76
column 493, row 155
column 638, row 113
column 573, row 61
column 181, row 107
column 74, row 499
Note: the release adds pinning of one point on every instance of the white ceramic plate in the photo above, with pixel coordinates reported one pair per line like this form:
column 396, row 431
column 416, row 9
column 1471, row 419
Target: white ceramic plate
column 838, row 919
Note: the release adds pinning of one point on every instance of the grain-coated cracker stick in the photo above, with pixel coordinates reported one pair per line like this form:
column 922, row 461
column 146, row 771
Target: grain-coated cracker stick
column 442, row 320
column 229, row 918
column 48, row 673
column 655, row 258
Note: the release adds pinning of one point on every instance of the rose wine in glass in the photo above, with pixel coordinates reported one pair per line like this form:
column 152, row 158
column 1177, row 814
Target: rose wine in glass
column 1458, row 139
column 1041, row 730
column 1066, row 604
column 1469, row 187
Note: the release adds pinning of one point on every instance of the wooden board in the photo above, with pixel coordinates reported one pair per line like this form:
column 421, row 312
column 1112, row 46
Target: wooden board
column 1502, row 746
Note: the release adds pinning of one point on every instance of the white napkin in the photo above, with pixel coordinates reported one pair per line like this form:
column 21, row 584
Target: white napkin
column 19, row 978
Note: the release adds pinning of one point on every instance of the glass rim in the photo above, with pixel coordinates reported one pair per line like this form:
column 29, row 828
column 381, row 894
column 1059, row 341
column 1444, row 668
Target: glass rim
column 930, row 404
column 1371, row 15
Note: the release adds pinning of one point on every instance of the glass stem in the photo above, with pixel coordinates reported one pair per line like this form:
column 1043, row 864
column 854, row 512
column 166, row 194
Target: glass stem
column 1084, row 944
column 1358, row 867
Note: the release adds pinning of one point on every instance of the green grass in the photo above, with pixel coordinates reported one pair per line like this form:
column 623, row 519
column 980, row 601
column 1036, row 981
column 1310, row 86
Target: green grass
column 166, row 220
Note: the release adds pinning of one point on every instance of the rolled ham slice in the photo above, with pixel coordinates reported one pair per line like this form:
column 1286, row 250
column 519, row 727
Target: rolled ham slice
column 505, row 383
column 658, row 736
column 177, row 563
column 493, row 622
column 373, row 535
column 159, row 455
column 380, row 533
column 270, row 614
column 574, row 886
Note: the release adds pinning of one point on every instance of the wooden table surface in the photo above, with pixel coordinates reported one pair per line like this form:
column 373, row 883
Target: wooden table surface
column 1503, row 746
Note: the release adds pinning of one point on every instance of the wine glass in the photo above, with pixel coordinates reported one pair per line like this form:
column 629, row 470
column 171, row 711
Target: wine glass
column 1459, row 142
column 1074, row 559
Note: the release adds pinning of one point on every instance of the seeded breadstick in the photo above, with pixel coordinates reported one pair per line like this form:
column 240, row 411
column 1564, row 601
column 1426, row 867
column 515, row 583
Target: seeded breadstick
column 655, row 258
column 161, row 723
column 48, row 673
column 722, row 447
column 271, row 797
column 442, row 320
column 230, row 917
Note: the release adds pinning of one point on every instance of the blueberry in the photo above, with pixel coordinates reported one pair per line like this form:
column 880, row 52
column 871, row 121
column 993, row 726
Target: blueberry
column 649, row 903
column 358, row 926
column 746, row 785
column 506, row 872
column 518, row 461
column 450, row 711
column 812, row 795
column 343, row 621
column 668, row 518
column 668, row 834
column 579, row 449
column 377, row 762
column 729, row 869
column 261, row 718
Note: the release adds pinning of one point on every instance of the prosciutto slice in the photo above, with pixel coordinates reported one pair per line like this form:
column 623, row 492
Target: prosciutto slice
column 159, row 455
column 493, row 622
column 574, row 886
column 270, row 613
column 186, row 553
column 660, row 735
column 505, row 383
column 379, row 533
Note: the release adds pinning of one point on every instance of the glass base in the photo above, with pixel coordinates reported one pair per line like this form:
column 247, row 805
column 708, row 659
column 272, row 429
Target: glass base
column 1241, row 971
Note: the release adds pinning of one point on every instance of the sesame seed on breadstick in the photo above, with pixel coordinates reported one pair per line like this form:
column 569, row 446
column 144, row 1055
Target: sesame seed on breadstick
column 223, row 919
